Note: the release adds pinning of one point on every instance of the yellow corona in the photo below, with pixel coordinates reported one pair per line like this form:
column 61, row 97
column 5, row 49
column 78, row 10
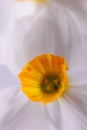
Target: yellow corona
column 44, row 79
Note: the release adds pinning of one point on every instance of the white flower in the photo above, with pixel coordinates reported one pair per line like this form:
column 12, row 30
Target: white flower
column 57, row 30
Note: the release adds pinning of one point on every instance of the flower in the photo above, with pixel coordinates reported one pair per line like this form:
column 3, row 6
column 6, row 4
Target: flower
column 68, row 112
column 45, row 33
column 44, row 79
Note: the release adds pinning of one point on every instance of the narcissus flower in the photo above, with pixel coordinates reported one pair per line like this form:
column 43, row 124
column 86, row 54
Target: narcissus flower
column 54, row 30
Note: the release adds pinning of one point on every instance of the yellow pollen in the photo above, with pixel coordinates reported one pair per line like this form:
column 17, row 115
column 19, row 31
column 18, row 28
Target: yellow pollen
column 46, row 80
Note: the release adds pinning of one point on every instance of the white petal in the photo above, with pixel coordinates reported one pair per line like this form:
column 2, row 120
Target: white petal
column 2, row 52
column 6, row 14
column 76, row 97
column 81, row 89
column 79, row 7
column 46, row 32
column 76, row 55
column 78, row 76
column 7, row 78
column 9, row 10
column 6, row 96
column 77, row 48
column 18, row 113
column 6, row 17
column 25, row 8
column 72, row 119
column 75, row 4
column 53, row 111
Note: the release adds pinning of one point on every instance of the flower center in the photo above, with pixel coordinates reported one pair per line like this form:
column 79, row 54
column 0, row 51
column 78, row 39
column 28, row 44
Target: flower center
column 44, row 79
column 50, row 84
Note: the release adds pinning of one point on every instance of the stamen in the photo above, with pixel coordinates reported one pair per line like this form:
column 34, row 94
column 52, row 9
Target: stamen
column 56, row 81
column 50, row 84
column 50, row 87
column 46, row 81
